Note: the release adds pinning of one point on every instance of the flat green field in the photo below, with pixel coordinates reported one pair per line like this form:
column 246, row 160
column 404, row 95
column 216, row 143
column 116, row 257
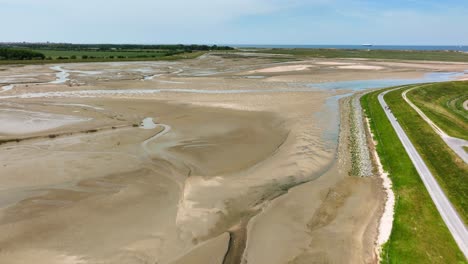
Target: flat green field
column 443, row 104
column 419, row 234
column 40, row 53
column 373, row 54
column 54, row 54
column 98, row 56
column 104, row 52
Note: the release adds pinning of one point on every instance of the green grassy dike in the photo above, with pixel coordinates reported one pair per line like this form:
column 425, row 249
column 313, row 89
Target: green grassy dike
column 419, row 234
column 450, row 171
column 443, row 104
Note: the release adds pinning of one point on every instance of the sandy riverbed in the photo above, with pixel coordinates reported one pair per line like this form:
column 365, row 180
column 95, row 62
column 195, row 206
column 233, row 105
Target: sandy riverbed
column 195, row 164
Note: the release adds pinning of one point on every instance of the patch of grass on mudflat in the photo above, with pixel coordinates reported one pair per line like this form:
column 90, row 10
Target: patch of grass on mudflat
column 450, row 171
column 443, row 104
column 373, row 54
column 419, row 234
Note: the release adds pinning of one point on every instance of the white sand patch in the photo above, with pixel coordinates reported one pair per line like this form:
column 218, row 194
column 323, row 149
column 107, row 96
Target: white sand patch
column 144, row 70
column 151, row 77
column 7, row 88
column 195, row 219
column 173, row 82
column 386, row 221
column 179, row 71
column 216, row 181
column 85, row 73
column 148, row 123
column 334, row 63
column 361, row 67
column 193, row 216
column 286, row 68
column 22, row 122
column 195, row 182
column 79, row 105
column 226, row 105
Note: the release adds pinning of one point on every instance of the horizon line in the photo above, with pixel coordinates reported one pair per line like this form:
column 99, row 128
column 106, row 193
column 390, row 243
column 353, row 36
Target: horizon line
column 230, row 44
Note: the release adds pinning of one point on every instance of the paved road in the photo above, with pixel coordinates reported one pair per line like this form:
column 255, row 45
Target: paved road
column 456, row 144
column 445, row 208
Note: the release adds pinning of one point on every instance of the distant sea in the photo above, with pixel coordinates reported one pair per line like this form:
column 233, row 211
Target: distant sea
column 374, row 47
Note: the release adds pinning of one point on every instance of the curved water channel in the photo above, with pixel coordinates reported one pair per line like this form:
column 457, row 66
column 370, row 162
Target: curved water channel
column 331, row 105
column 61, row 75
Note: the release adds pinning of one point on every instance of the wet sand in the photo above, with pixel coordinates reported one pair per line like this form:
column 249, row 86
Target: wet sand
column 337, row 224
column 223, row 175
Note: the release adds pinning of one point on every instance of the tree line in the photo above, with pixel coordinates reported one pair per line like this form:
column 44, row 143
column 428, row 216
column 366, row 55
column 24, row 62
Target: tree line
column 20, row 54
column 110, row 47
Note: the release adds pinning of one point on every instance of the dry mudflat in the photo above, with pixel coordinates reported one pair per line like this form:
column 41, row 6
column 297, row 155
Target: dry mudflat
column 214, row 160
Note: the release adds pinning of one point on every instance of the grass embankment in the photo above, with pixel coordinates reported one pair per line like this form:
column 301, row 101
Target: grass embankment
column 450, row 171
column 373, row 54
column 419, row 234
column 443, row 104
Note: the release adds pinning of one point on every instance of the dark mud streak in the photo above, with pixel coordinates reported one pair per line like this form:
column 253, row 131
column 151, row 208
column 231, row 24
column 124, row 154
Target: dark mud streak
column 52, row 136
column 236, row 246
column 238, row 236
column 16, row 83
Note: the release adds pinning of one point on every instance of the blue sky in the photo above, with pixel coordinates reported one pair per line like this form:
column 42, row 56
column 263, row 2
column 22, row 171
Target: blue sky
column 416, row 22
